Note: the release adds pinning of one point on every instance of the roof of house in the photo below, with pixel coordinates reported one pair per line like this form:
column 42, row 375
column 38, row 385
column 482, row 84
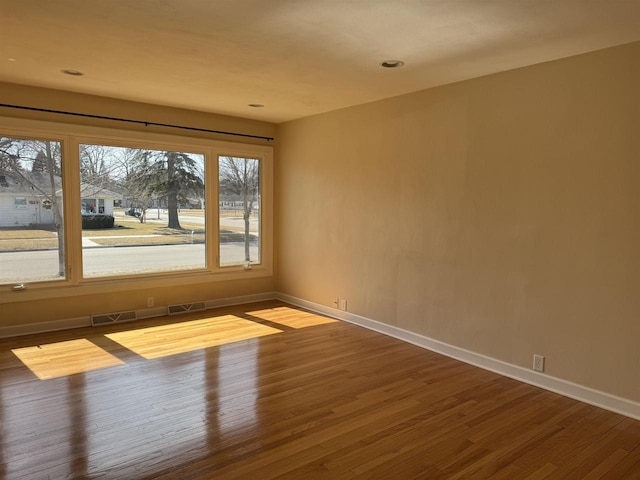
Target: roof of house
column 89, row 190
column 39, row 183
column 27, row 183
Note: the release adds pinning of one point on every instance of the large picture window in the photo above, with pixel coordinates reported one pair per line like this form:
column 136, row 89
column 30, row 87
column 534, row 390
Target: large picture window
column 82, row 206
column 148, row 203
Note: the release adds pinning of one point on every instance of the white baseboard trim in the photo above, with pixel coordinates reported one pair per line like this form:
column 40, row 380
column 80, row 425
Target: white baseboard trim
column 69, row 323
column 588, row 395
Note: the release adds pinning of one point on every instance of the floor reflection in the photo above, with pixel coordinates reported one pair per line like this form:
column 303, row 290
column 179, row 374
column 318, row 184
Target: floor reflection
column 236, row 382
column 49, row 446
column 155, row 413
column 79, row 428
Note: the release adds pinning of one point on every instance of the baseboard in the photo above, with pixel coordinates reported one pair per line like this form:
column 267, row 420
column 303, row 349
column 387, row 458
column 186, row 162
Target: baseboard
column 69, row 323
column 43, row 327
column 588, row 395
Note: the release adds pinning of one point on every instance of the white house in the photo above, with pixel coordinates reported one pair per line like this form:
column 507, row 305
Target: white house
column 26, row 198
column 97, row 199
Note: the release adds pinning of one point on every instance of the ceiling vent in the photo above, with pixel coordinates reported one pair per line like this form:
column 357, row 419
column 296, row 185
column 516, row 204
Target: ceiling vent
column 185, row 307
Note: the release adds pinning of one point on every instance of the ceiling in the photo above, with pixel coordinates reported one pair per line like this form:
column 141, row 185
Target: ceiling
column 296, row 57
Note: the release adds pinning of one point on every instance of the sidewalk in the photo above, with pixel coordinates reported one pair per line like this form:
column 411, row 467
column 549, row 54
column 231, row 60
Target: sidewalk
column 87, row 242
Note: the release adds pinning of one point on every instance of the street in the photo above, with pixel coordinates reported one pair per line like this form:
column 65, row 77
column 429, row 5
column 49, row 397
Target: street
column 112, row 261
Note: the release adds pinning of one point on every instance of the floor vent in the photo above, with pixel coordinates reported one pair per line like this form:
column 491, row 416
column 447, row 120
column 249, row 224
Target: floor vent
column 185, row 307
column 113, row 318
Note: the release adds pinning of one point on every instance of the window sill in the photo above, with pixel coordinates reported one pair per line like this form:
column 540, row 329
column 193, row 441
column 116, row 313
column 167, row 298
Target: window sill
column 40, row 291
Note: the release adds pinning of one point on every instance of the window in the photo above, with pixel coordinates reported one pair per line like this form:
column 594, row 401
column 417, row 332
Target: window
column 160, row 225
column 239, row 213
column 32, row 232
column 90, row 207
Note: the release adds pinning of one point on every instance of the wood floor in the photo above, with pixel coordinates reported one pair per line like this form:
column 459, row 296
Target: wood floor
column 266, row 391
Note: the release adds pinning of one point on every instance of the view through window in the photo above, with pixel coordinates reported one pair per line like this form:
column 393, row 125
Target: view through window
column 149, row 203
column 31, row 211
column 240, row 212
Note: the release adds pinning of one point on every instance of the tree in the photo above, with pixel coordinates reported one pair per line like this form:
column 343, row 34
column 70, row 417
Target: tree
column 95, row 166
column 240, row 178
column 9, row 154
column 40, row 163
column 171, row 175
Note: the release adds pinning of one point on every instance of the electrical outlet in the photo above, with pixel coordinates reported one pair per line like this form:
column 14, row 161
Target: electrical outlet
column 336, row 302
column 538, row 363
column 343, row 304
column 150, row 301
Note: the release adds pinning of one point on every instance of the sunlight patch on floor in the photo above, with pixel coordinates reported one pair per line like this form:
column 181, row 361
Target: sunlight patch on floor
column 290, row 317
column 60, row 359
column 165, row 340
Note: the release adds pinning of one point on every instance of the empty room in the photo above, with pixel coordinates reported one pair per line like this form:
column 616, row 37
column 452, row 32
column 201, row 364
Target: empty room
column 332, row 239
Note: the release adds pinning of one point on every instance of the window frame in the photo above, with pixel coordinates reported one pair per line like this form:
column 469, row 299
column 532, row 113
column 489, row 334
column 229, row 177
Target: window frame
column 21, row 205
column 71, row 136
column 151, row 146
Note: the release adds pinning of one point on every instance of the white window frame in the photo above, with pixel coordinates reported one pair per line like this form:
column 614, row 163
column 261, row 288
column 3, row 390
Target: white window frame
column 20, row 205
column 72, row 136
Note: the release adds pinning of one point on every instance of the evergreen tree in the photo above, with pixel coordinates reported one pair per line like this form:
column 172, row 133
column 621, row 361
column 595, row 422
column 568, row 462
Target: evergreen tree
column 171, row 175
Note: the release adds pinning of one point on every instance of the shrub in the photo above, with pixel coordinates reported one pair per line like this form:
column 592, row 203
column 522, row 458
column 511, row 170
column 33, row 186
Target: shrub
column 97, row 221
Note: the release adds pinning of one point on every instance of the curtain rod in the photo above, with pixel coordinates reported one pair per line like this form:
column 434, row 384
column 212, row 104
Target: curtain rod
column 141, row 122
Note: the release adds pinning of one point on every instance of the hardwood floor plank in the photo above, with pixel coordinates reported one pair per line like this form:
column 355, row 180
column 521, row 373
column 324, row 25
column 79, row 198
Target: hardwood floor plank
column 269, row 391
column 542, row 472
column 628, row 467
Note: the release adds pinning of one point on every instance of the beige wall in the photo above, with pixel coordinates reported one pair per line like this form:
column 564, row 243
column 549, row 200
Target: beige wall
column 127, row 294
column 135, row 298
column 499, row 215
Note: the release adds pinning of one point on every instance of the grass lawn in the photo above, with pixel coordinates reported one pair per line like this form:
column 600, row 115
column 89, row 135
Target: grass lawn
column 15, row 245
column 127, row 231
column 160, row 239
column 14, row 239
column 13, row 233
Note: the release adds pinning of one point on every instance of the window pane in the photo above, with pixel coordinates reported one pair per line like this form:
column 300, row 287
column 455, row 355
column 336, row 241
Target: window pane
column 148, row 203
column 31, row 211
column 239, row 187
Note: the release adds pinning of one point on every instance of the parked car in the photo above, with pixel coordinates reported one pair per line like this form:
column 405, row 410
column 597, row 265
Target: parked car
column 133, row 212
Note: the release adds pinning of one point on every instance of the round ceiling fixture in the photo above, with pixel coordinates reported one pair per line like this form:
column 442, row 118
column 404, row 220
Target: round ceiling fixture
column 392, row 63
column 73, row 73
column 256, row 105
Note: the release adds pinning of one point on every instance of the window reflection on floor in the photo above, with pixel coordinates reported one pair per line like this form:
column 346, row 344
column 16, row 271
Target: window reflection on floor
column 290, row 317
column 172, row 339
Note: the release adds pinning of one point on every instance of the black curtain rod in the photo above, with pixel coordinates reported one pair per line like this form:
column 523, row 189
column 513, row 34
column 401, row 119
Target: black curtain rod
column 128, row 120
